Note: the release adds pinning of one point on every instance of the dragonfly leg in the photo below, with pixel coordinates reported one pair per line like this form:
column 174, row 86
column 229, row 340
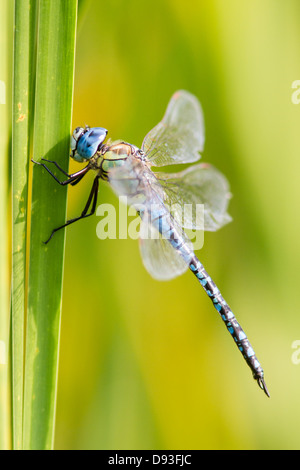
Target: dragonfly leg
column 64, row 172
column 92, row 197
column 72, row 178
column 57, row 166
column 77, row 180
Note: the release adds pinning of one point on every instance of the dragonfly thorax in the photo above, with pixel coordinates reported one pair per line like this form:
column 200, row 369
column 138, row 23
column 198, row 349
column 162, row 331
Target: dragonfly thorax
column 114, row 154
column 117, row 150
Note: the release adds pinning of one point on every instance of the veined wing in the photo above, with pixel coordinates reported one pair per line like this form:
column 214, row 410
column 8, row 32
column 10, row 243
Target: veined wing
column 199, row 184
column 160, row 258
column 134, row 180
column 180, row 135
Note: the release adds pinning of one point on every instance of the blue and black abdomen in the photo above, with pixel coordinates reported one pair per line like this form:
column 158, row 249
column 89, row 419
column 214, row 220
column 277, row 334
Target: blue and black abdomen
column 178, row 242
column 230, row 321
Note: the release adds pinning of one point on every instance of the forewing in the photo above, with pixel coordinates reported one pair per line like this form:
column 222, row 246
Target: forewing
column 179, row 137
column 200, row 184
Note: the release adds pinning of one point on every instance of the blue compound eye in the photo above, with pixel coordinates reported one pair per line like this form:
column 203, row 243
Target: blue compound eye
column 78, row 132
column 90, row 141
column 86, row 142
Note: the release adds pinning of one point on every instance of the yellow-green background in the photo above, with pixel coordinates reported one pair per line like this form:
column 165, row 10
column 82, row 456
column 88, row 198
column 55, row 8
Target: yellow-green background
column 149, row 365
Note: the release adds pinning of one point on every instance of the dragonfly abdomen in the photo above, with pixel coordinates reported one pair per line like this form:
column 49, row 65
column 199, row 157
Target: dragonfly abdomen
column 230, row 321
column 162, row 221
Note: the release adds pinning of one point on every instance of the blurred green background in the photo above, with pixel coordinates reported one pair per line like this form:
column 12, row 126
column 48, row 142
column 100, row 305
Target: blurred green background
column 149, row 365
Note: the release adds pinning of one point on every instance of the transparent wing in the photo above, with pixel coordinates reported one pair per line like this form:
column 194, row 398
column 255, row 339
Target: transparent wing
column 162, row 261
column 200, row 184
column 133, row 181
column 136, row 182
column 180, row 135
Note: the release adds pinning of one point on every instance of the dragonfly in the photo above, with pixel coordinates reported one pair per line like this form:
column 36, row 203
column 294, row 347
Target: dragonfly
column 166, row 250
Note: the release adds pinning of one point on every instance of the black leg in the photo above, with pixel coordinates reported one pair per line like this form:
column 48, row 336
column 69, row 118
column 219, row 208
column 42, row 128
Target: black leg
column 57, row 166
column 72, row 177
column 77, row 180
column 92, row 197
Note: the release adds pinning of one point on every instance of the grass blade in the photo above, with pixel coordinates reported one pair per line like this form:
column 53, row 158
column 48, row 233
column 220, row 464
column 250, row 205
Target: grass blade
column 53, row 106
column 5, row 116
column 24, row 40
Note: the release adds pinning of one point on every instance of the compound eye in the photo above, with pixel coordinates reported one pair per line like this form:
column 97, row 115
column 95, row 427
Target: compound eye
column 91, row 141
column 78, row 129
column 77, row 133
column 85, row 142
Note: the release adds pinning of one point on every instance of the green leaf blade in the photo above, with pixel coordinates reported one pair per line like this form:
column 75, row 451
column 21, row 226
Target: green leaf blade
column 5, row 127
column 22, row 122
column 53, row 106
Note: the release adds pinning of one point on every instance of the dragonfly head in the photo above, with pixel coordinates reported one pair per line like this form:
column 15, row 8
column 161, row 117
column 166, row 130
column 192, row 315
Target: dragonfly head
column 86, row 141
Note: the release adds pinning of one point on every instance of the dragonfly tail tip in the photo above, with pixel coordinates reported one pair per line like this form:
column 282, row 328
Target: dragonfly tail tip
column 263, row 386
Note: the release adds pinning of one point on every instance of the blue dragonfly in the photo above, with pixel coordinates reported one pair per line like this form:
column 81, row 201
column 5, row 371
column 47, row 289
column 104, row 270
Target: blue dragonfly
column 166, row 250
